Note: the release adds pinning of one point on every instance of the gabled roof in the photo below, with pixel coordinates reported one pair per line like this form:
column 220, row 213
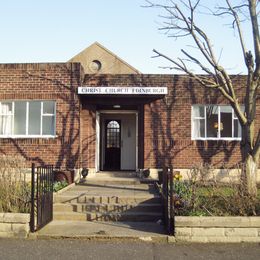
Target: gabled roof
column 98, row 59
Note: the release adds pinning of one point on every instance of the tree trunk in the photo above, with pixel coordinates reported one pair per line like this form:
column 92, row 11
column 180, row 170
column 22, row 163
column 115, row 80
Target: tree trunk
column 249, row 159
column 251, row 168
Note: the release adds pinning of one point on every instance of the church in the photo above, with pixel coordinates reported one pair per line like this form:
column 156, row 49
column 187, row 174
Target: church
column 97, row 112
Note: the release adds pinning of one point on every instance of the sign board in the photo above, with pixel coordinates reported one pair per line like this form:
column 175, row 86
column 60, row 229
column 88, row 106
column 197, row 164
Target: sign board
column 123, row 90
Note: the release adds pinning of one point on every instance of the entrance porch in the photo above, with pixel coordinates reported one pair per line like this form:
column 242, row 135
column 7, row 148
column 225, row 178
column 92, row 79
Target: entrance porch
column 112, row 127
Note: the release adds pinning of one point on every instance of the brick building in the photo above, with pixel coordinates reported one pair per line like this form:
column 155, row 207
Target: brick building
column 82, row 114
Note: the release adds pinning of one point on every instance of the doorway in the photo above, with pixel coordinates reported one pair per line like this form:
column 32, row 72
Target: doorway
column 117, row 145
column 112, row 145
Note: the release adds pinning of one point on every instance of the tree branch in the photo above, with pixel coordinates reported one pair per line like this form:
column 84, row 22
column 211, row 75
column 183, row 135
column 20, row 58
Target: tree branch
column 256, row 150
column 202, row 80
column 256, row 37
column 237, row 22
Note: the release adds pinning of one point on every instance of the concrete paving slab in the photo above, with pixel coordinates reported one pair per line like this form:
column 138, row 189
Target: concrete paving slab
column 147, row 231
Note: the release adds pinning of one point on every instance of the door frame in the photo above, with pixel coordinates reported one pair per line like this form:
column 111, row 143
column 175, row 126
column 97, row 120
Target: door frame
column 98, row 133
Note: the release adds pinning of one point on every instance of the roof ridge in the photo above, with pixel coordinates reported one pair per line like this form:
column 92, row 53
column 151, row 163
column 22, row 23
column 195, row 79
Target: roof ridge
column 116, row 56
column 96, row 43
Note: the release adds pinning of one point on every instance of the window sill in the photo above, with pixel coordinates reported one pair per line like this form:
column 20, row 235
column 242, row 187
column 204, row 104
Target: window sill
column 216, row 139
column 28, row 136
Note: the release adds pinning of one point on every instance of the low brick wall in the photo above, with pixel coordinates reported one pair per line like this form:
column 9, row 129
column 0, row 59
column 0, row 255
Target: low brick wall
column 218, row 229
column 14, row 225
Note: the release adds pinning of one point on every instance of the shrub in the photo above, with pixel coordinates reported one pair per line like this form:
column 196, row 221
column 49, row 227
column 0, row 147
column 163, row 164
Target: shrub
column 203, row 195
column 14, row 191
column 58, row 185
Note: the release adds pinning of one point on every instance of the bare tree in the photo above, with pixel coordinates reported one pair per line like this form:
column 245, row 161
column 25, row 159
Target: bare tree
column 179, row 24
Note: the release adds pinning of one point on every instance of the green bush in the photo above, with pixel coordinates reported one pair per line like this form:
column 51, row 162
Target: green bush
column 58, row 185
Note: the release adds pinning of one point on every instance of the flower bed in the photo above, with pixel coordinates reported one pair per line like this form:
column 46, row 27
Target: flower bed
column 200, row 196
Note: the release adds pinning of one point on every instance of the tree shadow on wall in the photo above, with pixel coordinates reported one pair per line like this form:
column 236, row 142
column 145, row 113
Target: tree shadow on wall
column 164, row 129
column 209, row 149
column 68, row 134
column 170, row 137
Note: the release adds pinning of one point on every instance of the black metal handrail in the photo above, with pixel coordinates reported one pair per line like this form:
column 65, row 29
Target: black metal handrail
column 167, row 194
column 41, row 196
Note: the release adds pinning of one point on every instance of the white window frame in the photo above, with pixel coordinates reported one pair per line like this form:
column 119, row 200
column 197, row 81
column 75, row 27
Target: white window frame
column 234, row 117
column 27, row 119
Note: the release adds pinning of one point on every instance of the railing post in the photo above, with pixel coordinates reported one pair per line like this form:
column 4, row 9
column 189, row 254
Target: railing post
column 172, row 217
column 168, row 200
column 32, row 219
column 165, row 197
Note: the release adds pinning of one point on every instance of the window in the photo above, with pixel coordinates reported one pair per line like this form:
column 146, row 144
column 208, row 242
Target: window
column 27, row 118
column 113, row 134
column 215, row 122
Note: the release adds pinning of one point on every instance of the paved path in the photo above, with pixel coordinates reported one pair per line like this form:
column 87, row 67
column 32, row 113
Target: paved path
column 82, row 249
column 107, row 230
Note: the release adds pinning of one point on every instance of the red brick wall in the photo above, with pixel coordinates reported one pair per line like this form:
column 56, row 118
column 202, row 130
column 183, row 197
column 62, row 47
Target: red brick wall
column 88, row 135
column 45, row 82
column 167, row 122
column 166, row 127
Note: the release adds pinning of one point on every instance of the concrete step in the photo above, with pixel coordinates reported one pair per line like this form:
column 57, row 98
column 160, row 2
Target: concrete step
column 124, row 216
column 116, row 174
column 116, row 178
column 105, row 199
column 145, row 187
column 146, row 231
column 103, row 208
column 105, row 180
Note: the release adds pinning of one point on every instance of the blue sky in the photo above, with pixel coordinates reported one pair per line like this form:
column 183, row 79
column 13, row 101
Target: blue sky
column 56, row 30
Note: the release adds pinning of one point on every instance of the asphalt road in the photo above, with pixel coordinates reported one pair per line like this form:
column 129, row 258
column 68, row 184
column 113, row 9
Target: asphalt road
column 82, row 249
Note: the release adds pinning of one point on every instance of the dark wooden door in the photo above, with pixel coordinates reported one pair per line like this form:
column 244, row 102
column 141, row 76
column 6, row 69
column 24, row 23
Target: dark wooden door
column 112, row 145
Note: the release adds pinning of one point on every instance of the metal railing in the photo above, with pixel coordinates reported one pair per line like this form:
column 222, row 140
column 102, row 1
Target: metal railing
column 41, row 196
column 167, row 194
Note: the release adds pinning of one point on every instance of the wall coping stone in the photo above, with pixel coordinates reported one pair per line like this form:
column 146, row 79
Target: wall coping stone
column 23, row 218
column 14, row 225
column 237, row 221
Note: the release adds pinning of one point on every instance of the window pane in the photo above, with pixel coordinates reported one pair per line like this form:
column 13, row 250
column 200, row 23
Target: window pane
column 198, row 111
column 48, row 125
column 198, row 128
column 20, row 118
column 5, row 125
column 113, row 134
column 212, row 121
column 242, row 109
column 5, row 108
column 237, row 129
column 225, row 109
column 48, row 107
column 34, row 118
column 5, row 118
column 226, row 121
